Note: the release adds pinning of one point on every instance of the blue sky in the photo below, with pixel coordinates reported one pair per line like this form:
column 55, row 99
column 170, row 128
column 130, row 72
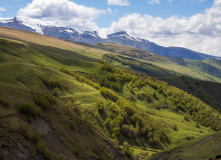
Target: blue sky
column 193, row 24
column 163, row 9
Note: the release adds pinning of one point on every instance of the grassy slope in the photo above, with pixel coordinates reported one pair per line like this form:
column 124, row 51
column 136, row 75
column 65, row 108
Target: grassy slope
column 205, row 70
column 192, row 72
column 21, row 76
column 215, row 63
column 169, row 116
column 208, row 92
column 202, row 148
column 29, row 37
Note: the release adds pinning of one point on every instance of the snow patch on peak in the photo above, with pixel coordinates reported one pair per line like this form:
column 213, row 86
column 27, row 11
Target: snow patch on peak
column 93, row 34
column 125, row 35
column 80, row 32
column 6, row 20
column 69, row 31
column 35, row 24
column 134, row 38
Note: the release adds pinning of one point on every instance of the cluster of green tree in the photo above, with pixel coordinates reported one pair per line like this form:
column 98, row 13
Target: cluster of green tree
column 140, row 66
column 81, row 78
column 207, row 91
column 44, row 100
column 51, row 81
column 123, row 118
column 198, row 110
column 195, row 89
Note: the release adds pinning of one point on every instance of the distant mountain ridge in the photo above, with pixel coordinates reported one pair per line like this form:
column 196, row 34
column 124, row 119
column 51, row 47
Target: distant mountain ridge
column 93, row 37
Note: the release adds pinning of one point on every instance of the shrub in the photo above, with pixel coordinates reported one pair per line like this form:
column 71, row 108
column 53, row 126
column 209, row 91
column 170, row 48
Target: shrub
column 160, row 89
column 107, row 93
column 69, row 104
column 73, row 125
column 52, row 82
column 129, row 131
column 24, row 129
column 108, row 123
column 189, row 137
column 100, row 105
column 175, row 128
column 197, row 125
column 209, row 129
column 29, row 110
column 35, row 138
column 61, row 157
column 55, row 92
column 150, row 141
column 201, row 131
column 132, row 98
column 44, row 100
column 41, row 148
column 157, row 106
column 4, row 103
column 128, row 150
column 156, row 139
column 186, row 117
column 154, row 94
column 77, row 110
column 141, row 96
column 131, row 90
column 116, row 130
column 136, row 118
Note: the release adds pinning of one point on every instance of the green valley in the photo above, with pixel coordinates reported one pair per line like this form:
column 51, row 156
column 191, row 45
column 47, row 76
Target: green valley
column 65, row 100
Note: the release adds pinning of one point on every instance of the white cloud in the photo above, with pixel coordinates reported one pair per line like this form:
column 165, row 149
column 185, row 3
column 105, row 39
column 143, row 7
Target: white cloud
column 158, row 1
column 62, row 12
column 154, row 1
column 2, row 10
column 118, row 2
column 201, row 32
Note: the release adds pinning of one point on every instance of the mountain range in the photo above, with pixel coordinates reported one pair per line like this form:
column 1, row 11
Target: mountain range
column 93, row 37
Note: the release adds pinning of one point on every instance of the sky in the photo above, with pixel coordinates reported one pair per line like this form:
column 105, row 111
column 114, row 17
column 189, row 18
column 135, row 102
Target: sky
column 193, row 24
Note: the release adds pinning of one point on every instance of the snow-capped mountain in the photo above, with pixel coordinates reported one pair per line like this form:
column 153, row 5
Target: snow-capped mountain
column 33, row 25
column 72, row 34
column 93, row 37
column 129, row 40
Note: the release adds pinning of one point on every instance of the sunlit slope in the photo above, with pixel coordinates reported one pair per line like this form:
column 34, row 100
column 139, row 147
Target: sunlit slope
column 33, row 96
column 205, row 70
column 202, row 148
column 30, row 37
column 207, row 91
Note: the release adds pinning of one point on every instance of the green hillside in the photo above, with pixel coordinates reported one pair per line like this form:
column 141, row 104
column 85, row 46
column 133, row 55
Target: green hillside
column 202, row 148
column 30, row 107
column 209, row 92
column 208, row 70
column 61, row 100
